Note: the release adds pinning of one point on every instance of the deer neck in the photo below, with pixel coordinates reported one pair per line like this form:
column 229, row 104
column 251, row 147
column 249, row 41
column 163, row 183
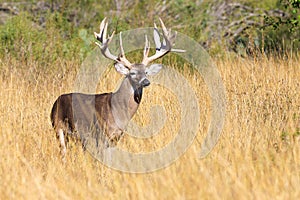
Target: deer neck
column 125, row 102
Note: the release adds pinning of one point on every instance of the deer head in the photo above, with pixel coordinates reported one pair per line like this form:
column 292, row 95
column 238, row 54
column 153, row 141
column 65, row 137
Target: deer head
column 137, row 73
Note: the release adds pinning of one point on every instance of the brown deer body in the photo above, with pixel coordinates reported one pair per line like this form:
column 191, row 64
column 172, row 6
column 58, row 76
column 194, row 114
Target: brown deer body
column 105, row 116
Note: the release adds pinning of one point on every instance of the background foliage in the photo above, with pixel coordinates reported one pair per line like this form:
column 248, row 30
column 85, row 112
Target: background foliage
column 48, row 30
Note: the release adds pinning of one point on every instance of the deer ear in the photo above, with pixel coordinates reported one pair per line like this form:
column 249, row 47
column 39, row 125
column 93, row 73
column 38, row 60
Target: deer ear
column 121, row 69
column 153, row 69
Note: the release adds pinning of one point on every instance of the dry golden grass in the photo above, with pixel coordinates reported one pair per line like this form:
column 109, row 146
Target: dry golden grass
column 257, row 156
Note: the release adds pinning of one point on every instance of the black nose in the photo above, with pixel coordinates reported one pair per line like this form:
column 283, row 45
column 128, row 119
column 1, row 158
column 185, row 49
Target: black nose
column 145, row 82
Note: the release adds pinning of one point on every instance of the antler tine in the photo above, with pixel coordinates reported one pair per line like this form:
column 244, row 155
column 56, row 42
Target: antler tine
column 122, row 58
column 121, row 45
column 102, row 27
column 147, row 47
column 165, row 31
column 104, row 32
column 146, row 51
column 156, row 38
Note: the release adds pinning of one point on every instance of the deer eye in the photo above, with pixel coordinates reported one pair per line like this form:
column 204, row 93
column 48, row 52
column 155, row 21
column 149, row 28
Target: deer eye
column 132, row 73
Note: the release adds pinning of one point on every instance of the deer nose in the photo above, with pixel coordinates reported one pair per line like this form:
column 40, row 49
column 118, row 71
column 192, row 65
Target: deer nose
column 145, row 83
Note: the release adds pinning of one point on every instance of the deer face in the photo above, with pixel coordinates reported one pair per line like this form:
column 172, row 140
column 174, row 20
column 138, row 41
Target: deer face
column 138, row 73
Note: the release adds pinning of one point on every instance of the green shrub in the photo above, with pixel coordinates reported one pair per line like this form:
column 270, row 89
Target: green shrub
column 25, row 40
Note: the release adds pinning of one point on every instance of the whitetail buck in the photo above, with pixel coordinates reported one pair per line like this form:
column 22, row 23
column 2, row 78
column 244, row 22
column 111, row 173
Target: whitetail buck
column 107, row 115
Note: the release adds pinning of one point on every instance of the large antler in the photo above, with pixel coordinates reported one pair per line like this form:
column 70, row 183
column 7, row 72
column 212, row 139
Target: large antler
column 162, row 47
column 103, row 45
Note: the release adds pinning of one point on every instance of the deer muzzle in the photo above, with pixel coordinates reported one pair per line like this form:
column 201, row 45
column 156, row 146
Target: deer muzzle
column 145, row 83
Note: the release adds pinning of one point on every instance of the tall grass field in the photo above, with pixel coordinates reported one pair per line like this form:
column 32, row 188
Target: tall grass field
column 256, row 157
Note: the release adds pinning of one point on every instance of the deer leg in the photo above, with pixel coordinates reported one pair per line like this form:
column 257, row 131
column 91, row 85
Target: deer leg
column 62, row 142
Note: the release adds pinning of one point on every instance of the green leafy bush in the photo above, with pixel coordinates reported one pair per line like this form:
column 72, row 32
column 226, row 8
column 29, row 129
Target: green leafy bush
column 25, row 40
